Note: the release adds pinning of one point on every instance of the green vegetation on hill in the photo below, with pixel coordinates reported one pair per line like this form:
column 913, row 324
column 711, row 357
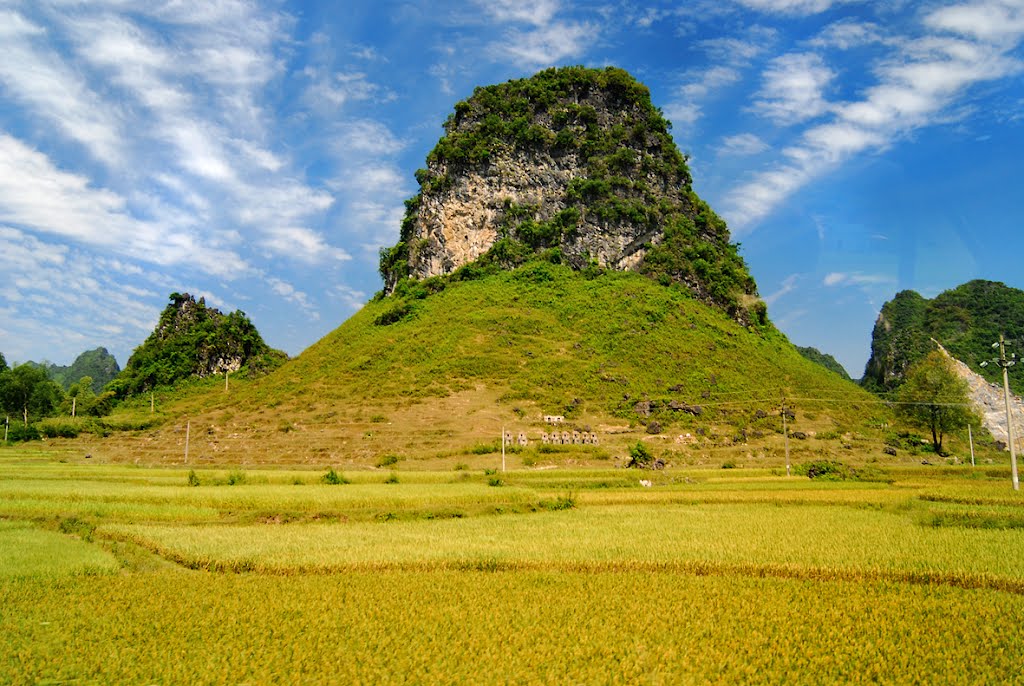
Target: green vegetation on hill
column 612, row 343
column 966, row 320
column 193, row 340
column 99, row 365
column 824, row 359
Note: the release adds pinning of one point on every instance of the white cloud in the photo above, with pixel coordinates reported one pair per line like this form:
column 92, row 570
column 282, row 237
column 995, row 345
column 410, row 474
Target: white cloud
column 535, row 12
column 682, row 114
column 729, row 57
column 351, row 298
column 742, row 144
column 847, row 34
column 70, row 291
column 917, row 85
column 365, row 137
column 39, row 79
column 793, row 89
column 333, row 90
column 302, row 244
column 790, row 7
column 35, row 194
column 546, row 45
column 834, row 279
column 293, row 295
column 788, row 286
column 994, row 21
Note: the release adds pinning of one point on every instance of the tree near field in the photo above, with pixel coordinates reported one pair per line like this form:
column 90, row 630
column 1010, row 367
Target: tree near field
column 3, row 363
column 28, row 390
column 935, row 398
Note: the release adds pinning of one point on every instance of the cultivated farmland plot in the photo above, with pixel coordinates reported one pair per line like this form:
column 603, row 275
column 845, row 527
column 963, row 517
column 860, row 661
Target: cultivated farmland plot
column 114, row 574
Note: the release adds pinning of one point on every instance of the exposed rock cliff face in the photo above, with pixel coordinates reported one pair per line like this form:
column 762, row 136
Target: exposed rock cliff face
column 573, row 165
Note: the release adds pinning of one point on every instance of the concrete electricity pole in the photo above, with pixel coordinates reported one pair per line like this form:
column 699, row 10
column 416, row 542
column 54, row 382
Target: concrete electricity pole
column 1006, row 364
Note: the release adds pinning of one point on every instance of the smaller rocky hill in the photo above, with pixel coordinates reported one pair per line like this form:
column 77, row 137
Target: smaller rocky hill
column 965, row 320
column 193, row 340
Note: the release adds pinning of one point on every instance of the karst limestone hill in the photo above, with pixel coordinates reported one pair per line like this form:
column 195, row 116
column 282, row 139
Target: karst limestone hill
column 965, row 320
column 190, row 341
column 556, row 262
column 575, row 164
column 98, row 364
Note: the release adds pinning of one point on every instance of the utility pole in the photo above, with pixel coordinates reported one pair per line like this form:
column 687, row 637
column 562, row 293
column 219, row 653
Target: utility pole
column 188, row 431
column 152, row 403
column 226, row 372
column 1006, row 364
column 785, row 432
column 502, row 448
column 7, row 425
column 970, row 438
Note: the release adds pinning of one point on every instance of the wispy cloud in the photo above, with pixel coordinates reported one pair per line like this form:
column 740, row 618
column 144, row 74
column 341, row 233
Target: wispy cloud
column 64, row 288
column 534, row 35
column 791, row 7
column 917, row 85
column 40, row 80
column 834, row 279
column 847, row 34
column 546, row 45
column 787, row 286
column 793, row 89
column 293, row 295
column 729, row 58
column 536, row 12
column 742, row 144
column 35, row 194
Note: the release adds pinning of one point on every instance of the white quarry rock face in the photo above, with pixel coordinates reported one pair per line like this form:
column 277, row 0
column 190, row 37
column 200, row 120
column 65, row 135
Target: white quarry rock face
column 989, row 401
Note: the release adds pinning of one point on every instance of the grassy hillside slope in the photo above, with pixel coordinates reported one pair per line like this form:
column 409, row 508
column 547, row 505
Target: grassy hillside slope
column 441, row 374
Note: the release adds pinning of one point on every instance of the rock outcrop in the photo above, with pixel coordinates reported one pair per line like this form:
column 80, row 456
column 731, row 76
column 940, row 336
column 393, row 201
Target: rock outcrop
column 193, row 340
column 989, row 400
column 572, row 165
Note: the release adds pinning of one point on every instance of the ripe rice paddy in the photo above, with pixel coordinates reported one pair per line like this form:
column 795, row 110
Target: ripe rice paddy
column 115, row 574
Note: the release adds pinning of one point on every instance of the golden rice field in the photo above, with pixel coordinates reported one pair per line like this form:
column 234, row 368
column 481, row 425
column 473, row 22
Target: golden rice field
column 120, row 574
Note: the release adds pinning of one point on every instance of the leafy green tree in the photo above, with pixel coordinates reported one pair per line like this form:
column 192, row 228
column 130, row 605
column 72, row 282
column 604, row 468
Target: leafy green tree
column 28, row 390
column 3, row 363
column 80, row 397
column 935, row 398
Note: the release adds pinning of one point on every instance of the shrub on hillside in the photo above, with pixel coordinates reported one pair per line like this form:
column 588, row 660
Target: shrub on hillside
column 640, row 456
column 19, row 432
column 333, row 478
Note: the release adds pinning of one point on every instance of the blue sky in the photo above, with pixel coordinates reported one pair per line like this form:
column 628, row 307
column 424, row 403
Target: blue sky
column 258, row 153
